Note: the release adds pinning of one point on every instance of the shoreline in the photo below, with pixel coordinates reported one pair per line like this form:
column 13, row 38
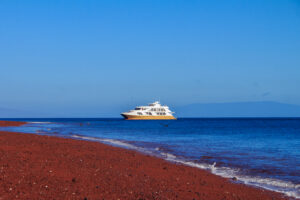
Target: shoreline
column 47, row 167
column 11, row 123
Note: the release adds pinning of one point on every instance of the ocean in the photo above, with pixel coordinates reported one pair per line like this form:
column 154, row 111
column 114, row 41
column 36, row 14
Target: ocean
column 262, row 152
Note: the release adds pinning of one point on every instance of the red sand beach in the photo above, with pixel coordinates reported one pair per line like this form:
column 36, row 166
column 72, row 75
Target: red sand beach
column 11, row 123
column 44, row 167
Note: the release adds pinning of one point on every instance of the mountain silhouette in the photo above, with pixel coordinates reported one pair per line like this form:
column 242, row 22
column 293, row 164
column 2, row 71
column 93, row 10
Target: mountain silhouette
column 239, row 109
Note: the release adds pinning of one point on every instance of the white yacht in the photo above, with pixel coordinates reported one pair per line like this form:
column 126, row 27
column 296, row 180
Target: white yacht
column 152, row 111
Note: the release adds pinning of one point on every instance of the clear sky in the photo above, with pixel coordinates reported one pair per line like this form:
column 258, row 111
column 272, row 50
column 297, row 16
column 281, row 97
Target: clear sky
column 87, row 57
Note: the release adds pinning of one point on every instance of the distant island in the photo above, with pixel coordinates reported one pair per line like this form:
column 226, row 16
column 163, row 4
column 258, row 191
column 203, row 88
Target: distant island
column 239, row 109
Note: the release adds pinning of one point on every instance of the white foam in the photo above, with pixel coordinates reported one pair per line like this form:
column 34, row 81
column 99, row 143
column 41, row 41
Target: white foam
column 113, row 142
column 168, row 156
column 288, row 188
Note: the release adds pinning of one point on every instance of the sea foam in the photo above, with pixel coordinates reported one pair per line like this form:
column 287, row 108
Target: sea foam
column 286, row 187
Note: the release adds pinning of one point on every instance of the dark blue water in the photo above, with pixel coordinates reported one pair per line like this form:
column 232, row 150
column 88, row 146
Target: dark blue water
column 262, row 152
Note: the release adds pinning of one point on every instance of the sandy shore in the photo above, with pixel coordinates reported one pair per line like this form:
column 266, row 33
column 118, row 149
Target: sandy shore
column 44, row 167
column 11, row 123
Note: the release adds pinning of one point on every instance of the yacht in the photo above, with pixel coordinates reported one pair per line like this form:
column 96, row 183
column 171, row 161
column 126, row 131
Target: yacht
column 152, row 111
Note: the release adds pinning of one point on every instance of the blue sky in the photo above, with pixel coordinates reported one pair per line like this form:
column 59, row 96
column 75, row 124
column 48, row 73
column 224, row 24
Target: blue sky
column 87, row 57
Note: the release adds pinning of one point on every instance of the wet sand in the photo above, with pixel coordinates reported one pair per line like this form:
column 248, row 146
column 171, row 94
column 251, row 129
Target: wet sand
column 46, row 167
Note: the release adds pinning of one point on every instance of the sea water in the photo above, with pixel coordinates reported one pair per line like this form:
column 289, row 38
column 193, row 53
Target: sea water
column 263, row 152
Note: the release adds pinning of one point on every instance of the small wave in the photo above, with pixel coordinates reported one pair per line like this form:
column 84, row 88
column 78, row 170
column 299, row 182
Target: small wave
column 168, row 155
column 288, row 188
column 118, row 143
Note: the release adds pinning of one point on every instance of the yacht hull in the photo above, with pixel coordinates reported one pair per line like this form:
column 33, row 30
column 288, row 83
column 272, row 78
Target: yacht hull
column 138, row 117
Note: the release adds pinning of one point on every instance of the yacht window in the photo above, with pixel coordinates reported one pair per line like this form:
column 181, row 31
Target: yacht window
column 139, row 113
column 137, row 108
